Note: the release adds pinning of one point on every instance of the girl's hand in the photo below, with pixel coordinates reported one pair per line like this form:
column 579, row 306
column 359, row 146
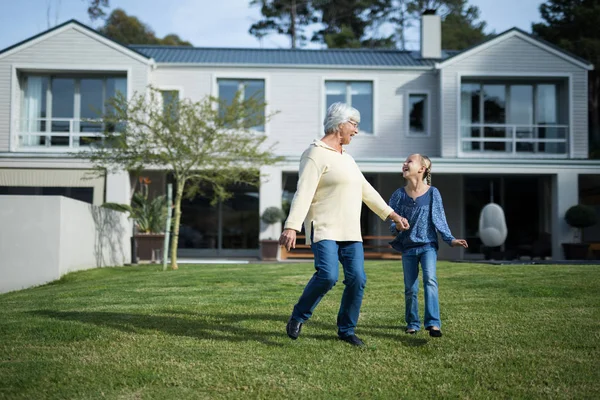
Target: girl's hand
column 460, row 242
column 402, row 224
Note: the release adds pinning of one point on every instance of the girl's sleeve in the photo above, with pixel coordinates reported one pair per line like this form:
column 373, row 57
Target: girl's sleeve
column 394, row 204
column 439, row 217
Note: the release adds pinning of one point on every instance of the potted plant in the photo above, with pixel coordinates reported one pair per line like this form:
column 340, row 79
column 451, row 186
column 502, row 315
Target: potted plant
column 269, row 248
column 579, row 216
column 149, row 216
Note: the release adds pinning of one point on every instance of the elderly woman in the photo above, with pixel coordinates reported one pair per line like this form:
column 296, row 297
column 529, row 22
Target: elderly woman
column 328, row 200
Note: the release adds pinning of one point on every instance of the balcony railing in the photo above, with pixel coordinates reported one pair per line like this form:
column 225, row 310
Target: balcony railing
column 59, row 134
column 515, row 140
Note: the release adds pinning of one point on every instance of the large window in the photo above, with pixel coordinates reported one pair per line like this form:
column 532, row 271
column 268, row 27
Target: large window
column 231, row 225
column 246, row 88
column 357, row 94
column 517, row 117
column 59, row 110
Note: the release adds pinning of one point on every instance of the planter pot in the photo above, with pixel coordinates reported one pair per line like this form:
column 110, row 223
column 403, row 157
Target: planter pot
column 269, row 250
column 576, row 251
column 150, row 246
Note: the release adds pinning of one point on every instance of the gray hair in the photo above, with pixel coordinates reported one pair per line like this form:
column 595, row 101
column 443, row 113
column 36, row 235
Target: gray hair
column 337, row 114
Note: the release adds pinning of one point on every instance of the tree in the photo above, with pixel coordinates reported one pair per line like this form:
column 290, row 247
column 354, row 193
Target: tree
column 460, row 28
column 574, row 25
column 346, row 23
column 202, row 144
column 96, row 8
column 127, row 29
column 285, row 17
column 356, row 23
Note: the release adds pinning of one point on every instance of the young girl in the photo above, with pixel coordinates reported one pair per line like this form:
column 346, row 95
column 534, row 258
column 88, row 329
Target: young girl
column 421, row 204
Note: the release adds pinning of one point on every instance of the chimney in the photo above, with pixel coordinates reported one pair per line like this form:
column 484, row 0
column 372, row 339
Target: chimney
column 431, row 35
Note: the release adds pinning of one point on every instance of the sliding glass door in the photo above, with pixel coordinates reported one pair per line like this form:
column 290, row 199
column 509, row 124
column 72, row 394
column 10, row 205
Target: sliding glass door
column 63, row 111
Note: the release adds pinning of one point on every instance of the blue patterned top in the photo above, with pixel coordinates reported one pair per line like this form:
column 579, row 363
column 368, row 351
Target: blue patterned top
column 426, row 217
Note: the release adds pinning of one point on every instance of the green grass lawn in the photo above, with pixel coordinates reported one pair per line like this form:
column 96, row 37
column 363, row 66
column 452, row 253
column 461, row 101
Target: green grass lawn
column 218, row 331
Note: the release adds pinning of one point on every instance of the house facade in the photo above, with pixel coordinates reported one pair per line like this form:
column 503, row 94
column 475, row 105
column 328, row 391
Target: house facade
column 505, row 122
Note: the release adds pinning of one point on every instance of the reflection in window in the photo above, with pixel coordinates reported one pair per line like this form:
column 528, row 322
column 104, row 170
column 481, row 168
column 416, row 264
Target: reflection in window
column 357, row 94
column 169, row 102
column 501, row 117
column 64, row 105
column 417, row 112
column 494, row 104
column 246, row 88
column 232, row 224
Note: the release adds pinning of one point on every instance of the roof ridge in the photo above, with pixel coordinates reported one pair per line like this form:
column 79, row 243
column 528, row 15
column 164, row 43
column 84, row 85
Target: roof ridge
column 341, row 50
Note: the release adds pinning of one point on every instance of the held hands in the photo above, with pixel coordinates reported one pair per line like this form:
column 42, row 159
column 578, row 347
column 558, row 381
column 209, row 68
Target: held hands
column 288, row 239
column 402, row 224
column 460, row 242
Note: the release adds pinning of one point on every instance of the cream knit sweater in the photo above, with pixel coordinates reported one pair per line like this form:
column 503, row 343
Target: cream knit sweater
column 329, row 197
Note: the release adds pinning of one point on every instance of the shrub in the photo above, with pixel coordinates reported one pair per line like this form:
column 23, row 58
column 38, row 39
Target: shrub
column 581, row 216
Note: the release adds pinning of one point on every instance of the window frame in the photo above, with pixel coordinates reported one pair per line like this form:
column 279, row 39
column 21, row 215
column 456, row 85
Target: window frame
column 20, row 69
column 427, row 121
column 500, row 76
column 168, row 88
column 77, row 76
column 242, row 76
column 349, row 79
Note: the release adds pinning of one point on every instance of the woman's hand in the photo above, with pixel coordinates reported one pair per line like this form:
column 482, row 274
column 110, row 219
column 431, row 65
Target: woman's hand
column 402, row 224
column 288, row 239
column 460, row 242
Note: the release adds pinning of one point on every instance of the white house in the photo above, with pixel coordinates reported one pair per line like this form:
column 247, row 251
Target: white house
column 506, row 120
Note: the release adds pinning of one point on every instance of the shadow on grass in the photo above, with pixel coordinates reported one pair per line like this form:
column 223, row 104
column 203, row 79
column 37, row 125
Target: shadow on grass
column 225, row 327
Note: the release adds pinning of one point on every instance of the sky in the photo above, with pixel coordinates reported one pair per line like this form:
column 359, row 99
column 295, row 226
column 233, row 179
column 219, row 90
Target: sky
column 212, row 23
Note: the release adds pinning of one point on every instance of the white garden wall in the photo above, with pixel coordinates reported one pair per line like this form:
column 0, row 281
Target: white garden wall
column 45, row 237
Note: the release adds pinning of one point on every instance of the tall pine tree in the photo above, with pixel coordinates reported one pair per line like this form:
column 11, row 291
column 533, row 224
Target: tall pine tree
column 574, row 25
column 284, row 17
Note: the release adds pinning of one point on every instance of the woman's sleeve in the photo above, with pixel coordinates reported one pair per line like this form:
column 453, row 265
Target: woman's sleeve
column 308, row 180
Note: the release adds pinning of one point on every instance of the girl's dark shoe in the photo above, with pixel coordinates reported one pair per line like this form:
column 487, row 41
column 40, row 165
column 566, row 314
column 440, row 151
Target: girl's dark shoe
column 434, row 332
column 353, row 340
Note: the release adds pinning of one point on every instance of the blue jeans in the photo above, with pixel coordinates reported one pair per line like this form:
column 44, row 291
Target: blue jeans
column 327, row 254
column 427, row 256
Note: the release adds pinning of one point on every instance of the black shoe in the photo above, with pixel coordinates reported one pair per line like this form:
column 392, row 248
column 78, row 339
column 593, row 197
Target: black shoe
column 293, row 328
column 353, row 340
column 434, row 332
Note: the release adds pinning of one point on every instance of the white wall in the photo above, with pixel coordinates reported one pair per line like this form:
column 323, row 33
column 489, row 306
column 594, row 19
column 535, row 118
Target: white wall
column 297, row 94
column 45, row 237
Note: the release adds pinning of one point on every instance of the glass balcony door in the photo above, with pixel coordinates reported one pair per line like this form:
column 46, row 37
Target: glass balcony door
column 63, row 112
column 228, row 228
column 513, row 119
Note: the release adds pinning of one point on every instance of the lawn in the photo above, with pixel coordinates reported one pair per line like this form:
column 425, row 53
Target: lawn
column 218, row 331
